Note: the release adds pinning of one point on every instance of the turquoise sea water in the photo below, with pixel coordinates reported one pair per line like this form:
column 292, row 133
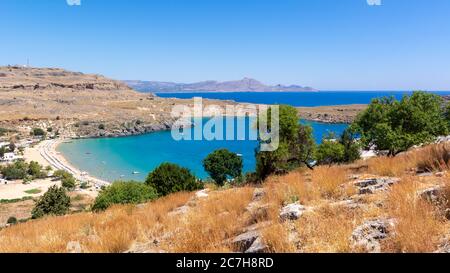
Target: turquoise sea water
column 117, row 158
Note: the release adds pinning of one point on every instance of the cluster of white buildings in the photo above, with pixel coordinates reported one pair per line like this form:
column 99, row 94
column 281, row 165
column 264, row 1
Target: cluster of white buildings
column 9, row 156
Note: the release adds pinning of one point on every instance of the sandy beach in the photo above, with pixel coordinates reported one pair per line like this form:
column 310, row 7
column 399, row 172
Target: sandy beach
column 45, row 153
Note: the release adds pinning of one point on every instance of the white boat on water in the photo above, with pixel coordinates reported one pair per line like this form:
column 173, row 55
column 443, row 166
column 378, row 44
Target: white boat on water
column 135, row 172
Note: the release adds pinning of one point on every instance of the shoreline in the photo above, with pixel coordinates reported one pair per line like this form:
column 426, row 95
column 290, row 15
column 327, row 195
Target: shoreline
column 48, row 151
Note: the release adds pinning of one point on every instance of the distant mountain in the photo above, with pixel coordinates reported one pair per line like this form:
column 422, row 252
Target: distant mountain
column 245, row 84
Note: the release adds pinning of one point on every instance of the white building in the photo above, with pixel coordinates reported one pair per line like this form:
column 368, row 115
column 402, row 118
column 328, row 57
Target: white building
column 4, row 144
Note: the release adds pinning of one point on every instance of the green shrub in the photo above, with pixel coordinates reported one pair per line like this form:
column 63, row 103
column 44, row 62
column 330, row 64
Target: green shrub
column 169, row 178
column 68, row 183
column 12, row 220
column 17, row 170
column 223, row 164
column 84, row 185
column 35, row 170
column 54, row 202
column 124, row 192
column 61, row 174
column 3, row 131
column 38, row 132
column 3, row 151
column 329, row 152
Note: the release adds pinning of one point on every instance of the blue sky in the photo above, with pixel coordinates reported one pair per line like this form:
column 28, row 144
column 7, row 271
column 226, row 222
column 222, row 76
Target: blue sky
column 327, row 44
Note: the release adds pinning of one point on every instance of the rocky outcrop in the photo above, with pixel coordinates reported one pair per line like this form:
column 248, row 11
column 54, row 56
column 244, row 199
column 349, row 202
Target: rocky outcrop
column 74, row 247
column 38, row 79
column 373, row 185
column 293, row 211
column 433, row 195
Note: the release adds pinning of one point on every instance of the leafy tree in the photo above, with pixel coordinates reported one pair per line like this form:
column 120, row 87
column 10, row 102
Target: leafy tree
column 398, row 125
column 222, row 164
column 68, row 183
column 17, row 170
column 352, row 147
column 54, row 202
column 122, row 192
column 67, row 179
column 329, row 152
column 338, row 150
column 35, row 170
column 60, row 174
column 296, row 145
column 169, row 178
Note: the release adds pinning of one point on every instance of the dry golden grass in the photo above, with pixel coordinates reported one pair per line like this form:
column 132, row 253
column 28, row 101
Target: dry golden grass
column 278, row 240
column 430, row 158
column 327, row 230
column 418, row 227
column 111, row 231
column 330, row 180
column 434, row 158
column 282, row 190
column 213, row 221
column 388, row 166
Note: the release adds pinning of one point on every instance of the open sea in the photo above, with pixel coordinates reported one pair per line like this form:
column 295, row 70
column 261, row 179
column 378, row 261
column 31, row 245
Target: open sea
column 132, row 158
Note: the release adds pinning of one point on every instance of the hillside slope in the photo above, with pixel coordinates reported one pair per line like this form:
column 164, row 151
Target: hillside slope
column 77, row 104
column 246, row 84
column 379, row 205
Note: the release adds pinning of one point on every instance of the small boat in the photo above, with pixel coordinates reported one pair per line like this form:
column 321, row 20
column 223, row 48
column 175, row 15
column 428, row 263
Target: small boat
column 240, row 155
column 135, row 172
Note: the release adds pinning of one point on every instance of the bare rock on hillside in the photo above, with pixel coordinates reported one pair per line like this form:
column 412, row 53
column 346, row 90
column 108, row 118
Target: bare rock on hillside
column 258, row 211
column 349, row 204
column 432, row 195
column 373, row 185
column 74, row 247
column 444, row 248
column 244, row 241
column 180, row 210
column 258, row 246
column 368, row 235
column 258, row 194
column 201, row 194
column 150, row 247
column 293, row 211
